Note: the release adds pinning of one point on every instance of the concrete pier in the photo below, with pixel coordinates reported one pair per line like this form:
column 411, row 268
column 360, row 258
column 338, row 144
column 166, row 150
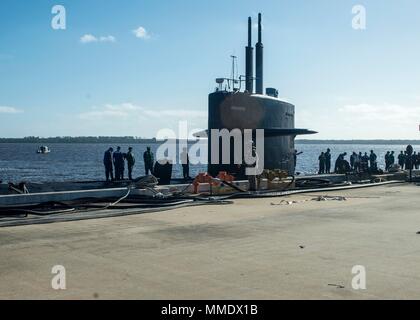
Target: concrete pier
column 253, row 249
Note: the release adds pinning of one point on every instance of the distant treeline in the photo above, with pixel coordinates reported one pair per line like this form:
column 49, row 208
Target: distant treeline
column 373, row 142
column 110, row 140
column 133, row 140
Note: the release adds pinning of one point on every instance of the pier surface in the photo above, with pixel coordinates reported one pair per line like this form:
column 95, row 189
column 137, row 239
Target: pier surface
column 252, row 249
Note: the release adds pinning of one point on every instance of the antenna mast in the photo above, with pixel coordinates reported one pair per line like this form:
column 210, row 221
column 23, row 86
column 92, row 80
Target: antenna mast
column 234, row 78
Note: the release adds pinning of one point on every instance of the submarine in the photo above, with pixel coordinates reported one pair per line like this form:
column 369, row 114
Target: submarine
column 231, row 108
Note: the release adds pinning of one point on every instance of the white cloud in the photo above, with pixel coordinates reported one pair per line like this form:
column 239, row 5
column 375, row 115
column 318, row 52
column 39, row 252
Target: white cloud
column 124, row 110
column 130, row 111
column 9, row 110
column 362, row 121
column 141, row 33
column 107, row 39
column 89, row 38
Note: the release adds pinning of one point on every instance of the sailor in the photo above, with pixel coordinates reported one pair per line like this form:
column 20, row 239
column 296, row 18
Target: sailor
column 322, row 161
column 185, row 161
column 131, row 160
column 345, row 166
column 373, row 161
column 254, row 180
column 357, row 159
column 364, row 163
column 406, row 160
column 414, row 161
column 108, row 165
column 148, row 158
column 295, row 154
column 409, row 158
column 360, row 158
column 392, row 159
column 401, row 159
column 339, row 163
column 418, row 160
column 353, row 158
column 118, row 158
column 328, row 161
column 387, row 160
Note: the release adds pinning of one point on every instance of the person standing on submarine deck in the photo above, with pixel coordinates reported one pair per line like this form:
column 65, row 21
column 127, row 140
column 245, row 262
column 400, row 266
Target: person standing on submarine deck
column 373, row 161
column 131, row 160
column 414, row 161
column 295, row 154
column 148, row 158
column 322, row 160
column 353, row 158
column 387, row 163
column 254, row 180
column 328, row 161
column 185, row 161
column 118, row 158
column 401, row 159
column 109, row 174
column 392, row 159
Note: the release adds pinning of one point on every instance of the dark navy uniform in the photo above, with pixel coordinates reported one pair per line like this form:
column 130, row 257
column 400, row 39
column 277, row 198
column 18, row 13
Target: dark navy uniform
column 148, row 158
column 119, row 164
column 109, row 174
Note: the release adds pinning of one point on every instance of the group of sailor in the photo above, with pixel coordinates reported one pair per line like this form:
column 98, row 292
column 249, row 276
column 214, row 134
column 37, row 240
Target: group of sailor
column 360, row 162
column 114, row 162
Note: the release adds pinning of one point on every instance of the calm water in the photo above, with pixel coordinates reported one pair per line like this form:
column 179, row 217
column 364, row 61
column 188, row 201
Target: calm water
column 76, row 162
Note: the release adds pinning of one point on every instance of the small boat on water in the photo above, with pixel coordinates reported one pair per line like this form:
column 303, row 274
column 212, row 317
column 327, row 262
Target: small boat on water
column 43, row 150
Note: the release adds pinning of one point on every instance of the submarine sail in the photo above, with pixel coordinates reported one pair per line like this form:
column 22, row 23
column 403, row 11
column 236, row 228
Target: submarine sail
column 232, row 109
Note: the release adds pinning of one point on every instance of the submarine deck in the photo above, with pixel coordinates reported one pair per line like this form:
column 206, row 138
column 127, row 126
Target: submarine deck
column 252, row 249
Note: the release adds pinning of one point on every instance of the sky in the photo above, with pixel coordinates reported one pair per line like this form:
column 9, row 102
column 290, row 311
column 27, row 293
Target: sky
column 131, row 68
